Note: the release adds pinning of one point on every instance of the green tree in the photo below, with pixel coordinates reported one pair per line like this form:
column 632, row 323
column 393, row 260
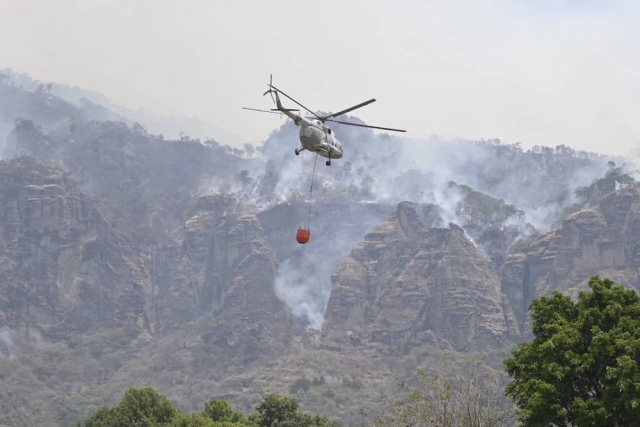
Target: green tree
column 220, row 410
column 273, row 409
column 140, row 407
column 146, row 407
column 201, row 420
column 582, row 368
column 282, row 411
column 104, row 417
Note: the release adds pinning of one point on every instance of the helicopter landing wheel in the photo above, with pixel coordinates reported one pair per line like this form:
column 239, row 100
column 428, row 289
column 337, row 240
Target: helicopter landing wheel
column 328, row 163
column 297, row 152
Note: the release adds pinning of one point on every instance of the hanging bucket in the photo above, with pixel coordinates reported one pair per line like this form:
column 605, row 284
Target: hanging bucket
column 302, row 236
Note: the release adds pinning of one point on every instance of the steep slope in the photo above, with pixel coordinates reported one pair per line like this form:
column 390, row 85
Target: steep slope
column 79, row 303
column 226, row 268
column 210, row 296
column 64, row 269
column 414, row 282
column 600, row 240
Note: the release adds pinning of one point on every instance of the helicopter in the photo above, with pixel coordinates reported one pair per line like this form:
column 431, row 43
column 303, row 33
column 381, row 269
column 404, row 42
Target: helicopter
column 315, row 135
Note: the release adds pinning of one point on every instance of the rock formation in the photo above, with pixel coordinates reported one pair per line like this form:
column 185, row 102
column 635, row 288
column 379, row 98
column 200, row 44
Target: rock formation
column 108, row 233
column 600, row 240
column 225, row 267
column 64, row 269
column 413, row 282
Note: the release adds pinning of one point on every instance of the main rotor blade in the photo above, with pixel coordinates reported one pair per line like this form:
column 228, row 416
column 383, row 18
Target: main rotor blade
column 339, row 113
column 262, row 111
column 294, row 101
column 365, row 126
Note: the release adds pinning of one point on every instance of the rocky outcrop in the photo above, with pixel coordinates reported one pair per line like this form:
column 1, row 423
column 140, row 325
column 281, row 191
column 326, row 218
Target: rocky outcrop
column 413, row 282
column 601, row 240
column 228, row 256
column 226, row 269
column 64, row 269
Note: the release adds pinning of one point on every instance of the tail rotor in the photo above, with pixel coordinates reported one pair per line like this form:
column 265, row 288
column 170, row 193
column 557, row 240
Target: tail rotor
column 270, row 91
column 280, row 109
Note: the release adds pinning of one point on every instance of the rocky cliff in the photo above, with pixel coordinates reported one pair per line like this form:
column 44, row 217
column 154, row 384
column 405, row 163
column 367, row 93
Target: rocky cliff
column 415, row 281
column 126, row 258
column 64, row 269
column 224, row 268
column 598, row 240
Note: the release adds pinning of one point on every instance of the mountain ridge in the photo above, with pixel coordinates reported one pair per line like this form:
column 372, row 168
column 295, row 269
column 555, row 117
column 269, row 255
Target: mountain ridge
column 174, row 262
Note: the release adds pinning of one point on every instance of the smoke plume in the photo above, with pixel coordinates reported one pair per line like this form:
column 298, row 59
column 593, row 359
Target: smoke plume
column 386, row 169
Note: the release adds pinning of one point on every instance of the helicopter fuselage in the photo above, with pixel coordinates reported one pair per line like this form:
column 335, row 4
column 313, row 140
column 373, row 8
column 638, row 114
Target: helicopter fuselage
column 319, row 139
column 316, row 137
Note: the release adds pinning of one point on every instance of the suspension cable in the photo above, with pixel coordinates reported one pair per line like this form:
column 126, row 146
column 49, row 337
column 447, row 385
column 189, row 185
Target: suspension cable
column 313, row 174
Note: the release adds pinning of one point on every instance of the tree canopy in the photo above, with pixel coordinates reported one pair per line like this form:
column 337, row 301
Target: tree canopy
column 145, row 407
column 582, row 366
column 140, row 407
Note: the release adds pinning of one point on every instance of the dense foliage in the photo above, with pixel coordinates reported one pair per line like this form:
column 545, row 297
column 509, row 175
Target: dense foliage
column 582, row 368
column 145, row 407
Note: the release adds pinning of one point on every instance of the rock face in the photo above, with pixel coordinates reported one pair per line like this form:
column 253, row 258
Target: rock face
column 64, row 269
column 193, row 256
column 225, row 266
column 601, row 240
column 411, row 282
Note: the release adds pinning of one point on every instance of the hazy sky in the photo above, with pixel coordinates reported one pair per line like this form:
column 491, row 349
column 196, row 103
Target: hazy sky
column 538, row 71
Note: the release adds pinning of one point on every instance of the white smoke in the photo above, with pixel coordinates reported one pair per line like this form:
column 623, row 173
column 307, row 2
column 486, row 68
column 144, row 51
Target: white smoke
column 304, row 291
column 303, row 280
column 388, row 169
column 5, row 130
column 6, row 343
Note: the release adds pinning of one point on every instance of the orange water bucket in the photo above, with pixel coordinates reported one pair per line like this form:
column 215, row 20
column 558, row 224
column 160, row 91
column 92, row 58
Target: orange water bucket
column 302, row 236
